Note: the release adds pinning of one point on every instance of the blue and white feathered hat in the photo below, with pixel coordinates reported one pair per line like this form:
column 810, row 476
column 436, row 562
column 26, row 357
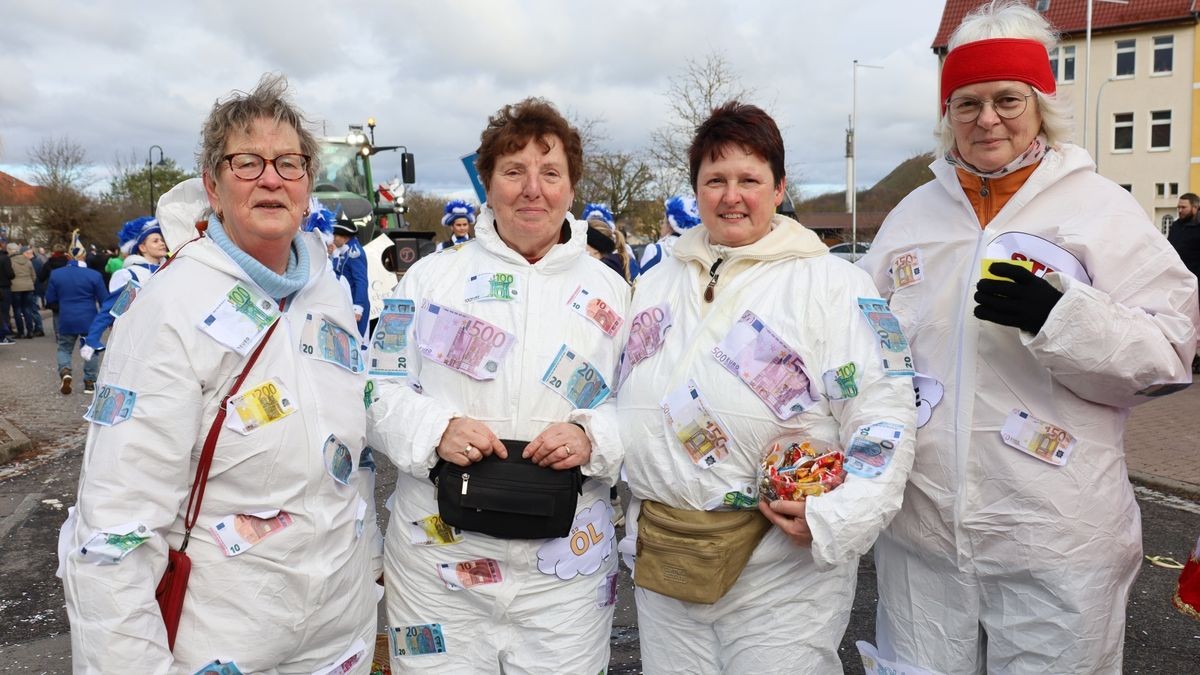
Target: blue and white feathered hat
column 682, row 213
column 134, row 232
column 319, row 220
column 456, row 209
column 599, row 212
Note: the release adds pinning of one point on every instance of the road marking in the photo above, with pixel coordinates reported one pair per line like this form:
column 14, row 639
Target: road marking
column 1171, row 501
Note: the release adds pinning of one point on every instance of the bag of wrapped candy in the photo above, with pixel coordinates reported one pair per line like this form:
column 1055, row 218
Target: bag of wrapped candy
column 797, row 467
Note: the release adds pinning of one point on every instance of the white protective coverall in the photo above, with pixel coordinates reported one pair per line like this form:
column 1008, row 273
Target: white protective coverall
column 302, row 596
column 790, row 606
column 990, row 539
column 550, row 611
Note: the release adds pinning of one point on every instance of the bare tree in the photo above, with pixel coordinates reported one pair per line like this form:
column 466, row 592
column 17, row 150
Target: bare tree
column 60, row 167
column 691, row 96
column 619, row 179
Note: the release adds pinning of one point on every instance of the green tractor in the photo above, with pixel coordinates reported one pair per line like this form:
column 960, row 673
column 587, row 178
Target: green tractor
column 345, row 183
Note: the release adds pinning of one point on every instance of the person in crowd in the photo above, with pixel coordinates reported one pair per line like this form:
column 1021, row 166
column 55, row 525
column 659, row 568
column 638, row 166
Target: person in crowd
column 26, row 322
column 97, row 259
column 75, row 292
column 280, row 577
column 600, row 214
column 547, row 324
column 35, row 300
column 1184, row 234
column 460, row 218
column 605, row 242
column 115, row 262
column 681, row 215
column 38, row 258
column 350, row 263
column 1184, row 237
column 143, row 249
column 58, row 258
column 723, row 360
column 1041, row 305
column 6, row 279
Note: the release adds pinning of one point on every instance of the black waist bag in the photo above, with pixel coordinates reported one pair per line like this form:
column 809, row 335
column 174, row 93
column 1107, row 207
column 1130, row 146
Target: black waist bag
column 508, row 498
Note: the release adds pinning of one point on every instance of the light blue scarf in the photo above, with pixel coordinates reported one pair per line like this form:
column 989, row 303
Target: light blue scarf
column 278, row 286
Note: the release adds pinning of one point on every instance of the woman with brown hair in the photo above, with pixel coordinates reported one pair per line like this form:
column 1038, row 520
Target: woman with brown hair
column 514, row 335
column 734, row 339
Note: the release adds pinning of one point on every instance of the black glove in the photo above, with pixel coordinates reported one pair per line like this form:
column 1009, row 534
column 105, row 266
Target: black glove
column 1024, row 302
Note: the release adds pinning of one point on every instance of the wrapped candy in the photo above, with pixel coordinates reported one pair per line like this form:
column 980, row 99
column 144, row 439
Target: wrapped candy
column 797, row 467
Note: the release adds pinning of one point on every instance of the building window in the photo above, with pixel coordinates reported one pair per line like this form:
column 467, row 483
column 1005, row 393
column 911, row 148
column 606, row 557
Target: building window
column 1062, row 63
column 1173, row 189
column 1125, row 57
column 1128, row 187
column 1043, row 6
column 1160, row 189
column 1160, row 130
column 1123, row 131
column 1164, row 53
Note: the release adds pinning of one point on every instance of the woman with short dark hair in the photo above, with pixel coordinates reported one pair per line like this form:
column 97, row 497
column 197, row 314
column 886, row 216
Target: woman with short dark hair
column 750, row 331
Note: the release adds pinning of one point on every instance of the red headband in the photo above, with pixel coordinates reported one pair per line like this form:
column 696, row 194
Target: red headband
column 997, row 59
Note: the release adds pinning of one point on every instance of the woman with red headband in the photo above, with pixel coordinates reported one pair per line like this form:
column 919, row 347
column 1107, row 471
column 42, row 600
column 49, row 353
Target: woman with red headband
column 1019, row 536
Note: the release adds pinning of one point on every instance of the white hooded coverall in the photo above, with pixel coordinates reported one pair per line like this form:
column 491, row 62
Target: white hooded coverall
column 790, row 606
column 548, row 613
column 298, row 599
column 999, row 560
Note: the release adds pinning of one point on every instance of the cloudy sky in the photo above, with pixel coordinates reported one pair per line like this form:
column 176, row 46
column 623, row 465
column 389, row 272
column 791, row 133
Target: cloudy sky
column 118, row 77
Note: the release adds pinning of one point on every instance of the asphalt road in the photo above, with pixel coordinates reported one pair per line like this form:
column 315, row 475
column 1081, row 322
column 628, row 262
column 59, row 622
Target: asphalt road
column 34, row 495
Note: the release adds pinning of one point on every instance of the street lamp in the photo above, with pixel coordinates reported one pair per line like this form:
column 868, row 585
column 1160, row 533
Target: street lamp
column 150, row 165
column 850, row 146
column 1087, row 71
column 1098, row 95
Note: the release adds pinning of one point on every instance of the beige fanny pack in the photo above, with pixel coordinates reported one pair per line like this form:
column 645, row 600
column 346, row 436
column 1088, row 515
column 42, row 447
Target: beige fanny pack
column 694, row 556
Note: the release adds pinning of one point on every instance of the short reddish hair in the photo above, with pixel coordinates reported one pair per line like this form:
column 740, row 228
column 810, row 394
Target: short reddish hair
column 741, row 124
column 514, row 125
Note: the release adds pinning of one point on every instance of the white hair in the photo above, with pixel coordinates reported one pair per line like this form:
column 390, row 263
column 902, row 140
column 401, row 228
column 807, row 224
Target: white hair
column 1012, row 19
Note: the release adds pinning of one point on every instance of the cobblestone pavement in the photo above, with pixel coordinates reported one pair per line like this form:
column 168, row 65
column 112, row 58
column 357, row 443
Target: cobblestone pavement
column 1161, row 442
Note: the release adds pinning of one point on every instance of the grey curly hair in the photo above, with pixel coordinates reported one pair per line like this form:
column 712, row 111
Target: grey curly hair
column 236, row 113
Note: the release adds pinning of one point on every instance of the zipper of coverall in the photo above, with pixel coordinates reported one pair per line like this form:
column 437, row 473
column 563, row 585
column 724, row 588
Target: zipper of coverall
column 961, row 446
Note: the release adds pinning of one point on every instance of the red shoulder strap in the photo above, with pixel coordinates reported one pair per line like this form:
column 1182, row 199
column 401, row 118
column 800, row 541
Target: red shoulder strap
column 196, row 495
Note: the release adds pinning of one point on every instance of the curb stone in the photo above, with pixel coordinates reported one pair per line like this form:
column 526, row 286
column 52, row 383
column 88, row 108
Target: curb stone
column 17, row 442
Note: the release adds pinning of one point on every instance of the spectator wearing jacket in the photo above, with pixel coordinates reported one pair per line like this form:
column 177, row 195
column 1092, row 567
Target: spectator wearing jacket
column 28, row 324
column 58, row 258
column 6, row 279
column 77, row 291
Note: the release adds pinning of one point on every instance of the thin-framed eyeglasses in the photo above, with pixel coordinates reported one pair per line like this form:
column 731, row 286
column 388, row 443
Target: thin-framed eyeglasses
column 249, row 166
column 1008, row 105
